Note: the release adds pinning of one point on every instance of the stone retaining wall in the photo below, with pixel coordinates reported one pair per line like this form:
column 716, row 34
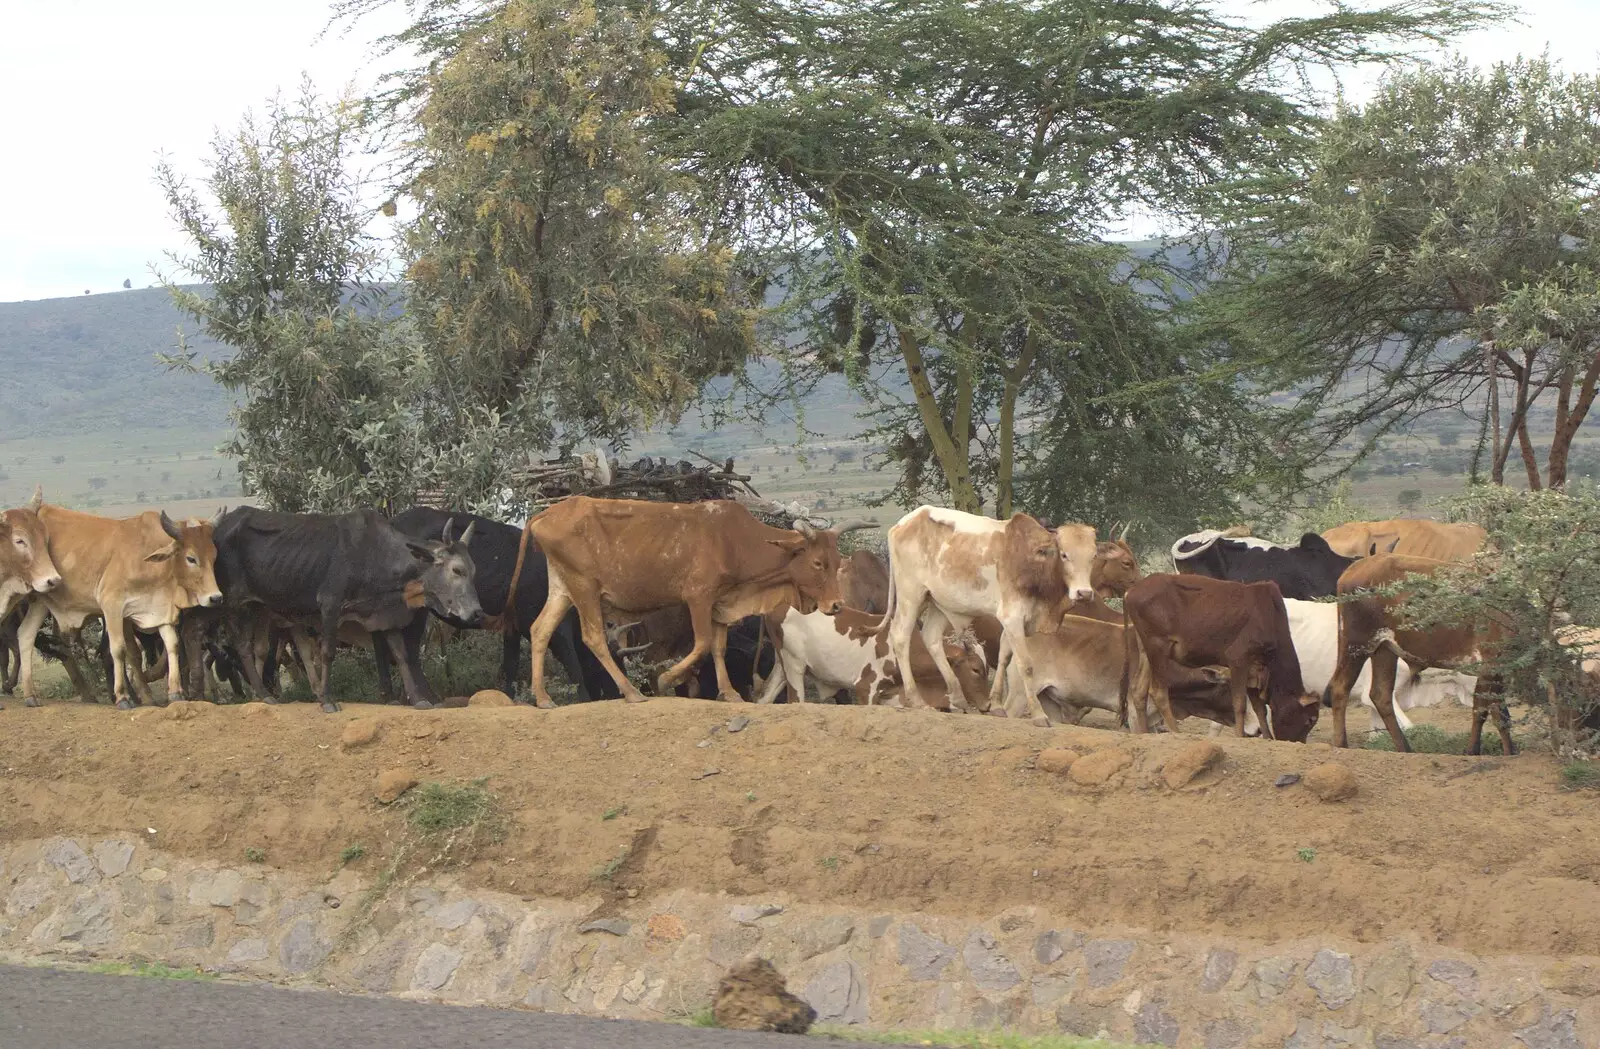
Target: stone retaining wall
column 659, row 958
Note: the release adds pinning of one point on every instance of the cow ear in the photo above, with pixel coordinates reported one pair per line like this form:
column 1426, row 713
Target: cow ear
column 1308, row 700
column 38, row 499
column 1313, row 541
column 794, row 546
column 421, row 550
column 1391, row 545
column 164, row 554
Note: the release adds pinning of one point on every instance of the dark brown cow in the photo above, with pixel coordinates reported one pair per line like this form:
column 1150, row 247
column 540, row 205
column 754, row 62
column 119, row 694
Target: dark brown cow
column 713, row 557
column 1373, row 628
column 1198, row 621
column 864, row 583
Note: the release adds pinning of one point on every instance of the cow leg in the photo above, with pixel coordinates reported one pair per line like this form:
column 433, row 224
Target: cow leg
column 422, row 690
column 11, row 655
column 380, row 664
column 908, row 608
column 704, row 628
column 1385, row 663
column 191, row 645
column 27, row 632
column 719, row 660
column 417, row 689
column 330, row 643
column 1344, row 678
column 169, row 638
column 934, row 627
column 1002, row 666
column 544, row 625
column 1489, row 697
column 510, row 656
column 257, row 649
column 117, row 643
column 72, row 645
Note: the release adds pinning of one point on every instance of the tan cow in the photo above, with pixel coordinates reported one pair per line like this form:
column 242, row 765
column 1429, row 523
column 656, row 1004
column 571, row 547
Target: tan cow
column 1432, row 539
column 25, row 568
column 713, row 557
column 947, row 567
column 141, row 570
column 864, row 582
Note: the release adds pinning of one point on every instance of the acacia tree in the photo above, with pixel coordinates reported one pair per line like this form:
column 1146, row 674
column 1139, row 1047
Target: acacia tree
column 1441, row 252
column 929, row 181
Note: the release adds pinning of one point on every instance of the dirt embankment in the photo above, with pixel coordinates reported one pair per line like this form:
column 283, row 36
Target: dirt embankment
column 869, row 808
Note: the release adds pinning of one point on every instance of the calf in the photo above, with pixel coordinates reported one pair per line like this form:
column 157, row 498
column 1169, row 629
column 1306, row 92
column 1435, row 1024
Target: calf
column 1302, row 572
column 142, row 571
column 947, row 567
column 1192, row 621
column 864, row 582
column 1371, row 627
column 333, row 569
column 1419, row 538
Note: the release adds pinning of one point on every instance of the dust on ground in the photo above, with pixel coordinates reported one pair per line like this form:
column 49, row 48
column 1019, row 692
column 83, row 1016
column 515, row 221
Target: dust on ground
column 861, row 807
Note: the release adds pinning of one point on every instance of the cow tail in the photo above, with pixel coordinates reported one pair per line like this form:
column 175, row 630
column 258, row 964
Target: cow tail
column 1129, row 653
column 508, row 613
column 888, row 610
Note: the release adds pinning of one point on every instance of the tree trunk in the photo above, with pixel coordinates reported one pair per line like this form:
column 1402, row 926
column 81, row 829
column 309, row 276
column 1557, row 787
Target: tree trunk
column 952, row 460
column 1005, row 493
column 1568, row 420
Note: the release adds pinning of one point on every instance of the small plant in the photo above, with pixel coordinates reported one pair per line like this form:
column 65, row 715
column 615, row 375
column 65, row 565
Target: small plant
column 612, row 814
column 703, row 1017
column 1426, row 739
column 255, row 854
column 750, row 795
column 830, row 863
column 1306, row 855
column 352, row 853
column 608, row 870
column 154, row 970
column 1581, row 775
column 439, row 809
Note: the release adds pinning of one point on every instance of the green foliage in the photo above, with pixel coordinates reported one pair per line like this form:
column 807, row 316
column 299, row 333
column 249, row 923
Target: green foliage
column 255, row 854
column 701, row 1017
column 1334, row 506
column 153, row 970
column 352, row 853
column 1538, row 575
column 1424, row 739
column 457, row 818
column 1305, row 854
column 1444, row 235
column 1580, row 775
column 611, row 814
column 980, row 1039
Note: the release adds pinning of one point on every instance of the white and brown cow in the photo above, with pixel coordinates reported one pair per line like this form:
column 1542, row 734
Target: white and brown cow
column 947, row 567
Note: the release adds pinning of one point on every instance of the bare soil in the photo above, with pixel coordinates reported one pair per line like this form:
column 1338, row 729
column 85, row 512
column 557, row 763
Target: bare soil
column 867, row 808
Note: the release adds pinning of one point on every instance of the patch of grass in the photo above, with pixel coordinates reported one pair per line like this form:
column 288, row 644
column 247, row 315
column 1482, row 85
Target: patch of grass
column 255, row 854
column 830, row 863
column 1430, row 739
column 702, row 1017
column 611, row 814
column 750, row 795
column 1305, row 855
column 352, row 853
column 154, row 970
column 437, row 808
column 608, row 870
column 966, row 1039
column 1581, row 775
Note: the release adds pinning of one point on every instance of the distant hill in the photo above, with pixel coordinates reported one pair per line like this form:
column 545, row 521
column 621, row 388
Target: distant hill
column 87, row 364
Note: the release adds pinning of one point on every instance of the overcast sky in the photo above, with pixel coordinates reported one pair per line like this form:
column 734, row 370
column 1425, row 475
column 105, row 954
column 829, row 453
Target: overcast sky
column 93, row 92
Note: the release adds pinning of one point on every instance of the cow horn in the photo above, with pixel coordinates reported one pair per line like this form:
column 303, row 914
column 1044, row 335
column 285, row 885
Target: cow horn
column 621, row 629
column 1238, row 531
column 168, row 527
column 1122, row 536
column 38, row 498
column 448, row 535
column 854, row 526
column 466, row 537
column 633, row 650
column 216, row 518
column 803, row 526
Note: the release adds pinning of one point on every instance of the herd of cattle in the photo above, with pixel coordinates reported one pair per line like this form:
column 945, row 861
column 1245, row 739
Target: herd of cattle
column 1009, row 617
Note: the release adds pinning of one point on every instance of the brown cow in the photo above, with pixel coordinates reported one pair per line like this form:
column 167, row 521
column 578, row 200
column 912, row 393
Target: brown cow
column 140, row 570
column 1373, row 628
column 864, row 583
column 714, row 557
column 1197, row 621
column 25, row 568
column 1419, row 538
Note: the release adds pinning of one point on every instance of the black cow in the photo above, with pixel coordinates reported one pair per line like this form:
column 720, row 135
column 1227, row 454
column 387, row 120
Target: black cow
column 345, row 568
column 494, row 553
column 1305, row 572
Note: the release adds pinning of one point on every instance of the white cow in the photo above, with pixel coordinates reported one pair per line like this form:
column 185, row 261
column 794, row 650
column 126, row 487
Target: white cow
column 947, row 567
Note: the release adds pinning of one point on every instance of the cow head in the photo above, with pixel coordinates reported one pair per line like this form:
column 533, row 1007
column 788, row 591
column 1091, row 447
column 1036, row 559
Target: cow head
column 25, row 551
column 1294, row 718
column 972, row 672
column 1114, row 568
column 192, row 557
column 1077, row 547
column 447, row 575
column 814, row 565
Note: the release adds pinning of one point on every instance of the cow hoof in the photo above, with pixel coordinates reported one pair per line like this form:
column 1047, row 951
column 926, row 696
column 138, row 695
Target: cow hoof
column 634, row 696
column 997, row 712
column 545, row 704
column 31, row 701
column 330, row 707
column 1041, row 722
column 125, row 704
column 730, row 697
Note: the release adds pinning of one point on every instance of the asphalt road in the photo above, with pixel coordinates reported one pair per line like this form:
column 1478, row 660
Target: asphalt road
column 57, row 1009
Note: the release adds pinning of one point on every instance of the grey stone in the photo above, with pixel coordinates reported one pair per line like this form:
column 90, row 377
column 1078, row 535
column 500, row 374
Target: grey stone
column 1219, row 968
column 1304, row 1037
column 113, row 857
column 614, row 926
column 218, row 889
column 820, row 937
column 1394, row 1041
column 1154, row 1026
column 1553, row 1031
column 134, row 897
column 435, row 965
column 379, row 968
column 165, row 903
column 925, row 956
column 303, row 948
column 729, row 946
column 544, row 998
column 1336, row 1037
column 738, row 724
column 989, row 969
column 536, row 945
column 1048, row 990
column 424, row 899
column 1225, row 1034
column 879, row 925
column 1460, row 975
column 1331, row 975
column 246, row 913
column 1006, row 1013
column 87, row 919
column 1106, row 960
column 29, row 895
column 1048, row 947
column 68, row 856
column 837, row 993
column 253, row 949
column 1273, row 976
column 1086, row 1021
column 196, row 935
column 454, row 915
column 1444, row 1017
column 750, row 913
column 1388, row 978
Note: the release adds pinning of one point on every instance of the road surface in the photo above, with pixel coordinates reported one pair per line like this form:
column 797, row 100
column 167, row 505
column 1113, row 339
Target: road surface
column 58, row 1009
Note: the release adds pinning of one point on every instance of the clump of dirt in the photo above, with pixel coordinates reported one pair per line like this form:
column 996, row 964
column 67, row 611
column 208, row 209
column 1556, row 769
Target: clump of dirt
column 752, row 997
column 872, row 808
